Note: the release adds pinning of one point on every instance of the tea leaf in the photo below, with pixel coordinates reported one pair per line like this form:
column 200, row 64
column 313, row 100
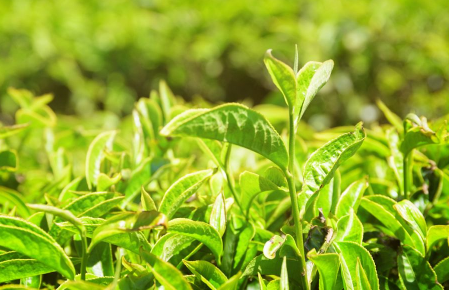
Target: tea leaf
column 26, row 238
column 231, row 123
column 16, row 266
column 218, row 215
column 8, row 161
column 351, row 197
column 435, row 234
column 165, row 273
column 202, row 232
column 95, row 156
column 15, row 198
column 442, row 270
column 349, row 229
column 328, row 266
column 181, row 190
column 321, row 165
column 207, row 273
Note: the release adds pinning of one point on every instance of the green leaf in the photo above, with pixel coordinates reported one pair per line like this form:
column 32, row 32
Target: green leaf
column 218, row 214
column 350, row 254
column 201, row 231
column 411, row 214
column 416, row 137
column 30, row 240
column 435, row 234
column 80, row 206
column 442, row 270
column 128, row 222
column 414, row 271
column 104, row 181
column 251, row 185
column 6, row 131
column 181, row 190
column 207, row 272
column 284, row 79
column 351, row 197
column 100, row 262
column 232, row 283
column 12, row 196
column 303, row 79
column 361, row 277
column 284, row 275
column 14, row 266
column 8, row 161
column 394, row 119
column 388, row 217
column 328, row 266
column 265, row 266
column 272, row 246
column 321, row 165
column 95, row 156
column 165, row 273
column 235, row 124
column 173, row 247
column 319, row 79
column 146, row 200
column 349, row 229
column 237, row 245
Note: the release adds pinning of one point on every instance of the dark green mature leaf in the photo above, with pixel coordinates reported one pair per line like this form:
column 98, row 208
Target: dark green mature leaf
column 14, row 266
column 231, row 123
column 14, row 197
column 30, row 240
column 319, row 79
column 95, row 156
column 284, row 79
column 200, row 231
column 321, row 165
column 8, row 161
column 165, row 273
column 351, row 197
column 414, row 270
column 442, row 270
column 328, row 266
column 207, row 272
column 435, row 234
column 350, row 254
column 181, row 190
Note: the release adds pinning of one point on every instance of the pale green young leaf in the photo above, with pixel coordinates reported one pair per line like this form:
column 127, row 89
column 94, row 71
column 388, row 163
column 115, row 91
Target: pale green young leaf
column 181, row 190
column 231, row 123
column 262, row 285
column 146, row 200
column 9, row 161
column 174, row 247
column 274, row 284
column 95, row 156
column 6, row 131
column 272, row 246
column 442, row 270
column 321, row 165
column 349, row 229
column 251, row 185
column 200, row 231
column 87, row 201
column 30, row 240
column 351, row 197
column 350, row 254
column 165, row 273
column 104, row 181
column 207, row 273
column 232, row 283
column 167, row 99
column 14, row 265
column 284, row 78
column 362, row 278
column 417, row 137
column 218, row 214
column 284, row 275
column 319, row 79
column 328, row 266
column 435, row 234
column 415, row 271
column 411, row 214
column 394, row 119
column 103, row 207
column 12, row 196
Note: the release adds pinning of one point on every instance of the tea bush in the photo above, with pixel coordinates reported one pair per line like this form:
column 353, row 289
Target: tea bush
column 193, row 196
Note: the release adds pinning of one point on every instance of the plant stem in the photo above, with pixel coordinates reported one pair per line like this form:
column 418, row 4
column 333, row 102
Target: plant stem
column 294, row 198
column 407, row 171
column 84, row 255
column 194, row 251
column 226, row 171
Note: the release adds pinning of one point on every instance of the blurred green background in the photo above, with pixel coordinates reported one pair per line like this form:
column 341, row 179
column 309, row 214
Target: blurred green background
column 102, row 55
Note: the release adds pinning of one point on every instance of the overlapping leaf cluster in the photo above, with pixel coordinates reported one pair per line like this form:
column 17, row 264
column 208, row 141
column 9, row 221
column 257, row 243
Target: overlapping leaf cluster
column 223, row 197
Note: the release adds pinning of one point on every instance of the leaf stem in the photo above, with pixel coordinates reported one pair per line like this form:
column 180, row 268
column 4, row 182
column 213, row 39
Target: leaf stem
column 407, row 170
column 83, row 254
column 294, row 198
column 194, row 251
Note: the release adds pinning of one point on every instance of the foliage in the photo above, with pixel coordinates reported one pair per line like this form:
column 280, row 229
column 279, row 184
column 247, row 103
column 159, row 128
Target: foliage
column 225, row 197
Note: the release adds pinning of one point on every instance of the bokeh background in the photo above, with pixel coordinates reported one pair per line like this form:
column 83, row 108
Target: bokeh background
column 103, row 55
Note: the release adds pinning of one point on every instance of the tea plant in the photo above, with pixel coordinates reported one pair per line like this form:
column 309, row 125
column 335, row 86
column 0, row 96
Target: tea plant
column 220, row 198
